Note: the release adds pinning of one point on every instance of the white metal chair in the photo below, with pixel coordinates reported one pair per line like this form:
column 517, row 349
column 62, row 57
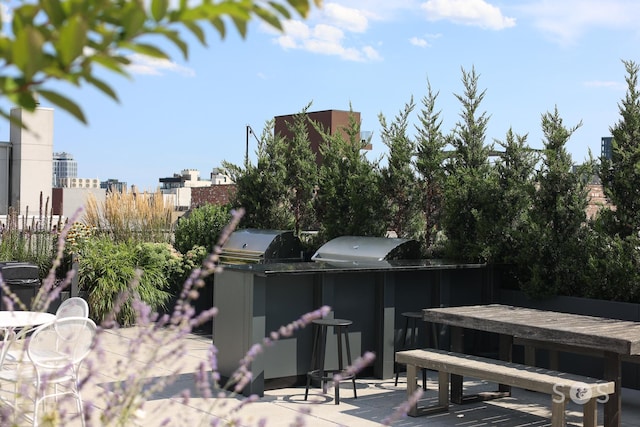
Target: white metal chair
column 73, row 307
column 56, row 351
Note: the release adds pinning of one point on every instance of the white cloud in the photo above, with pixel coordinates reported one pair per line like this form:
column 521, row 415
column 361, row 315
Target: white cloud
column 606, row 84
column 142, row 64
column 416, row 41
column 343, row 17
column 468, row 12
column 371, row 54
column 329, row 34
column 567, row 20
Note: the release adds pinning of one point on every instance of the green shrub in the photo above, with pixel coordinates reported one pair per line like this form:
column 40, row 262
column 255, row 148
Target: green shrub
column 201, row 227
column 33, row 241
column 108, row 270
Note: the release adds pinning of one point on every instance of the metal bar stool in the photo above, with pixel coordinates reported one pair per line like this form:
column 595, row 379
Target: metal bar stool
column 411, row 319
column 318, row 371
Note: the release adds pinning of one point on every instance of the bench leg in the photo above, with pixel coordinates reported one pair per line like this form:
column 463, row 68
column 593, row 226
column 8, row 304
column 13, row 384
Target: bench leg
column 443, row 393
column 590, row 413
column 411, row 388
column 443, row 390
column 558, row 412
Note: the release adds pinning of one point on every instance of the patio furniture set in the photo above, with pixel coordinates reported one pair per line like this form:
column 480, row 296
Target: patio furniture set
column 612, row 340
column 49, row 359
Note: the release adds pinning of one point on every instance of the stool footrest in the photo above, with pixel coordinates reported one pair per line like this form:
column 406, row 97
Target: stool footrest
column 315, row 374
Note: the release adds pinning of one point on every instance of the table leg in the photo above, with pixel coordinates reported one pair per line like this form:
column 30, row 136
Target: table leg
column 613, row 372
column 457, row 345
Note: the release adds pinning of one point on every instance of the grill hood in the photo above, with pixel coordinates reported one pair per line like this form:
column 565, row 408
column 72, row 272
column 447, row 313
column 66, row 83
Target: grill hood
column 359, row 250
column 251, row 246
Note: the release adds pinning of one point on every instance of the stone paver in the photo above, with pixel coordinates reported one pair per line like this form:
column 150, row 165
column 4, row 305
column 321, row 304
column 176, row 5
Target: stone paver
column 377, row 399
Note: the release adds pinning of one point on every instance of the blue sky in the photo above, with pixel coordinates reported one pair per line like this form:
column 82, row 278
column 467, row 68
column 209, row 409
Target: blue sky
column 531, row 55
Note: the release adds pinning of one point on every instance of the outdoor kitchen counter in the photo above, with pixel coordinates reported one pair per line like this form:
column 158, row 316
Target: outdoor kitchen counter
column 255, row 299
column 334, row 267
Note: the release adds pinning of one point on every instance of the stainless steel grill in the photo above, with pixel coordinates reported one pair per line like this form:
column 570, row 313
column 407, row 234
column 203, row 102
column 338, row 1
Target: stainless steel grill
column 365, row 250
column 255, row 246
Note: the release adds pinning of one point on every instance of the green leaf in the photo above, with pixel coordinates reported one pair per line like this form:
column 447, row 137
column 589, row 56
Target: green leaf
column 196, row 31
column 241, row 26
column 301, row 6
column 146, row 49
column 218, row 24
column 103, row 87
column 283, row 11
column 174, row 36
column 159, row 9
column 133, row 18
column 53, row 8
column 268, row 17
column 65, row 103
column 27, row 51
column 111, row 63
column 73, row 38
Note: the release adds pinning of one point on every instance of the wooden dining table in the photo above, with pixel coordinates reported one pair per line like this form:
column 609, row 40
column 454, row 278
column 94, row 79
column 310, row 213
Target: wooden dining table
column 610, row 338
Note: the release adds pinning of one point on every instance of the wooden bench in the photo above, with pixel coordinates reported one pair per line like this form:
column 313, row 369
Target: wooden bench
column 561, row 386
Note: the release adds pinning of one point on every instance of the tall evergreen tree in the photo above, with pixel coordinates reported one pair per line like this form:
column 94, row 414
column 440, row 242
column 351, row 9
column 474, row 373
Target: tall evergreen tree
column 429, row 165
column 301, row 174
column 470, row 185
column 261, row 189
column 513, row 199
column 558, row 216
column 348, row 198
column 621, row 174
column 469, row 134
column 398, row 187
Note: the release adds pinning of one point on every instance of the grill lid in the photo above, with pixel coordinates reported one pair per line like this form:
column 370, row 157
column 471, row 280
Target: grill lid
column 252, row 245
column 367, row 249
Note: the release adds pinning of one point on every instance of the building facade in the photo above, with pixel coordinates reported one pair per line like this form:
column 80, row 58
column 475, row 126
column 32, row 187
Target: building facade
column 25, row 161
column 606, row 147
column 332, row 121
column 79, row 182
column 64, row 167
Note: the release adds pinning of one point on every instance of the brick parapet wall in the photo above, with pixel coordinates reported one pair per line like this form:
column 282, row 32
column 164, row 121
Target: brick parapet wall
column 216, row 195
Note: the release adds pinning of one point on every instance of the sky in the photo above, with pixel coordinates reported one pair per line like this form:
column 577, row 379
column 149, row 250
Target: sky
column 373, row 56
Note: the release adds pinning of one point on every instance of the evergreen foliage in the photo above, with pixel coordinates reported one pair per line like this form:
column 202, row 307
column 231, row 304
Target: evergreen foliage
column 301, row 176
column 557, row 229
column 348, row 197
column 468, row 208
column 398, row 189
column 429, row 161
column 515, row 168
column 621, row 174
column 262, row 189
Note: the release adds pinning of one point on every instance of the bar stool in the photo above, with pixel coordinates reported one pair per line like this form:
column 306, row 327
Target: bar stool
column 411, row 319
column 318, row 371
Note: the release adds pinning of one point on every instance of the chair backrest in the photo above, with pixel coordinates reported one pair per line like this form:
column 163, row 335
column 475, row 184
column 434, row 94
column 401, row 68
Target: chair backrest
column 62, row 343
column 73, row 307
